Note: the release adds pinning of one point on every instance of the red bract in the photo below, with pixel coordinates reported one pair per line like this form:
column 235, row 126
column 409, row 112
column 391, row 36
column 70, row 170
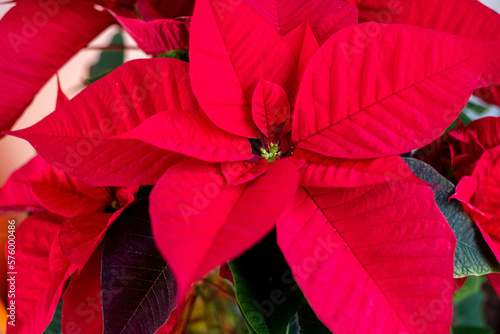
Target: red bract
column 67, row 228
column 81, row 235
column 489, row 94
column 468, row 143
column 225, row 78
column 458, row 150
column 324, row 17
column 82, row 307
column 353, row 253
column 193, row 193
column 134, row 92
column 41, row 273
column 437, row 154
column 363, row 236
column 36, row 39
column 38, row 186
column 61, row 97
column 66, row 196
column 157, row 36
column 16, row 193
column 460, row 21
column 158, row 9
column 480, row 192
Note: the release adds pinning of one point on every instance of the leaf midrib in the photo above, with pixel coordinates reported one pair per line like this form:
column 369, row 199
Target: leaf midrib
column 389, row 96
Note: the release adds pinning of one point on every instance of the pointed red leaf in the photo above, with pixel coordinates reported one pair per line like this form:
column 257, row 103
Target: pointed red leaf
column 76, row 138
column 490, row 94
column 459, row 282
column 192, row 133
column 486, row 178
column 374, row 259
column 223, row 73
column 36, row 295
column 61, row 97
column 283, row 15
column 303, row 45
column 468, row 143
column 16, row 194
column 480, row 194
column 491, row 233
column 125, row 195
column 122, row 7
column 80, row 236
column 173, row 320
column 36, row 39
column 325, row 16
column 60, row 269
column 490, row 230
column 435, row 154
column 160, row 9
column 485, row 132
column 67, row 196
column 491, row 74
column 465, row 18
column 270, row 108
column 330, row 16
column 465, row 192
column 82, row 307
column 192, row 193
column 240, row 172
column 376, row 97
column 157, row 36
column 463, row 164
column 225, row 272
column 495, row 282
column 321, row 171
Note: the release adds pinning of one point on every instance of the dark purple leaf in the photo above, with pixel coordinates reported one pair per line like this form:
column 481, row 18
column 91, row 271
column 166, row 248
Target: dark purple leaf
column 138, row 289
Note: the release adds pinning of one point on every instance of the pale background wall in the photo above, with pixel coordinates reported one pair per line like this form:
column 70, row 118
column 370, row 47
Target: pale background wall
column 494, row 4
column 15, row 152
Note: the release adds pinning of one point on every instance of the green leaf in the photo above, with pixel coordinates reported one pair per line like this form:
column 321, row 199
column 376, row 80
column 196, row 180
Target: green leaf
column 293, row 326
column 250, row 328
column 469, row 311
column 468, row 303
column 55, row 325
column 472, row 254
column 265, row 289
column 177, row 54
column 98, row 76
column 471, row 330
column 144, row 191
column 309, row 323
column 451, row 127
column 108, row 60
column 464, row 118
column 471, row 286
column 476, row 107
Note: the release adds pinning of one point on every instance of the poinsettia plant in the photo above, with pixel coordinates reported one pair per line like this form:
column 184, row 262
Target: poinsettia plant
column 286, row 153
